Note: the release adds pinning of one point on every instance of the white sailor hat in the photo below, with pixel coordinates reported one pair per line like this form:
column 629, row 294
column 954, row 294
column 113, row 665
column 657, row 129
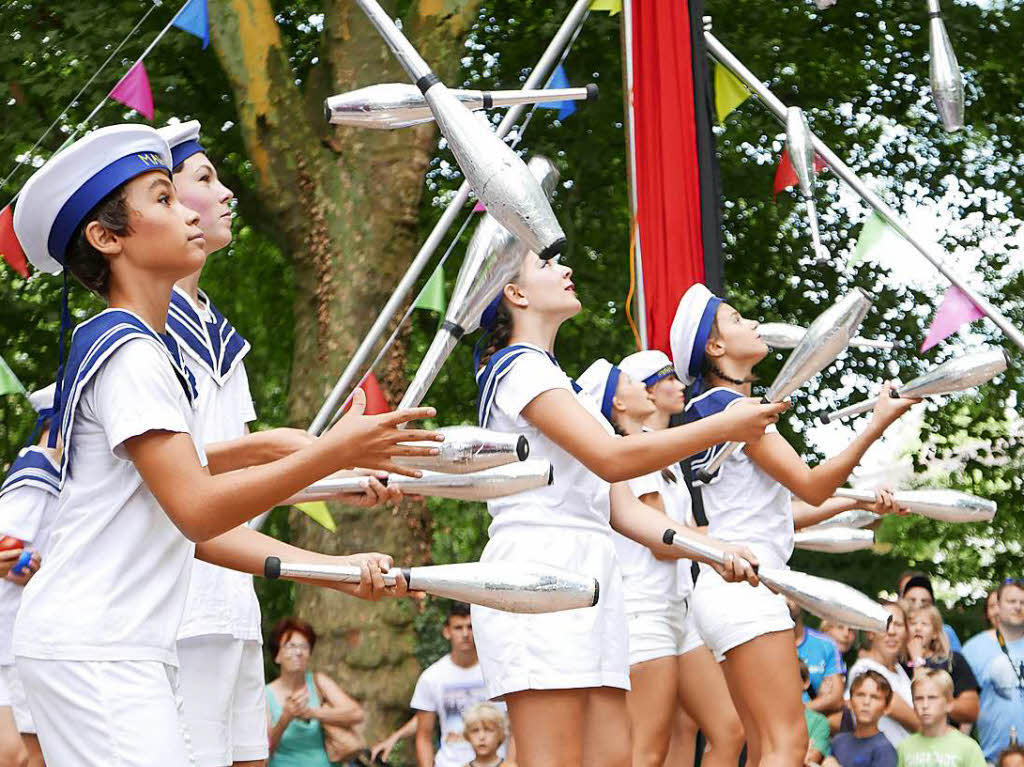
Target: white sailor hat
column 60, row 195
column 690, row 330
column 648, row 366
column 183, row 139
column 600, row 381
column 42, row 399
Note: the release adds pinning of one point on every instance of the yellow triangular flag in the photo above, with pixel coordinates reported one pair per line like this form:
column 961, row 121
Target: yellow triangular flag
column 729, row 92
column 612, row 6
column 319, row 513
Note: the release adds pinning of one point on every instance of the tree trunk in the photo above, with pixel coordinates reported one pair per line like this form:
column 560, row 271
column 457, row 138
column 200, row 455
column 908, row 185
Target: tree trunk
column 345, row 203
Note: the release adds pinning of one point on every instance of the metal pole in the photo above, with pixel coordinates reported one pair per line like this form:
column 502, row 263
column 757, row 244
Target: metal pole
column 933, row 254
column 537, row 79
column 641, row 302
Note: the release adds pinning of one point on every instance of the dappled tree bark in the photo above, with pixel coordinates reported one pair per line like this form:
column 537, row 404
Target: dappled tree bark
column 345, row 204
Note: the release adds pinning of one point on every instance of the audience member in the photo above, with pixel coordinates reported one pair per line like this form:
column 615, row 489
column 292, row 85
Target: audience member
column 824, row 693
column 937, row 744
column 997, row 659
column 992, row 610
column 1011, row 756
column 384, row 748
column 818, row 745
column 928, row 648
column 915, row 588
column 865, row 745
column 843, row 637
column 883, row 653
column 486, row 730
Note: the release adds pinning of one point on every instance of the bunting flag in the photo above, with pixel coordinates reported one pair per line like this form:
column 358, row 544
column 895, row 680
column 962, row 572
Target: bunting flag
column 876, row 235
column 376, row 402
column 479, row 207
column 559, row 79
column 611, row 6
column 194, row 19
column 9, row 383
column 730, row 92
column 319, row 513
column 10, row 248
column 956, row 309
column 133, row 91
column 432, row 295
column 785, row 176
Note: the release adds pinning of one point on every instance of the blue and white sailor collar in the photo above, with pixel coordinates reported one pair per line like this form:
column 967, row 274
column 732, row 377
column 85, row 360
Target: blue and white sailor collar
column 33, row 468
column 209, row 340
column 498, row 366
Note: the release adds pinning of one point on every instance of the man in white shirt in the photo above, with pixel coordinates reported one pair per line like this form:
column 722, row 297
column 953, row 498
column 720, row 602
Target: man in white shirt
column 445, row 691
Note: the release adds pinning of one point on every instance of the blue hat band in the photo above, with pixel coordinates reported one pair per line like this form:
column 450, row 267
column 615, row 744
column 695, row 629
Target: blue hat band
column 184, row 150
column 610, row 387
column 89, row 194
column 665, row 372
column 490, row 313
column 707, row 319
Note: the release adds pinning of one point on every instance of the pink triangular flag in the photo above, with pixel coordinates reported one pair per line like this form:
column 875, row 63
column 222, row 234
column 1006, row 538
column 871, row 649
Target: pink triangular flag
column 479, row 207
column 955, row 310
column 133, row 91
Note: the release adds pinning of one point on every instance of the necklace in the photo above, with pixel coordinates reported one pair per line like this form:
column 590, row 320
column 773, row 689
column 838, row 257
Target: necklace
column 1017, row 672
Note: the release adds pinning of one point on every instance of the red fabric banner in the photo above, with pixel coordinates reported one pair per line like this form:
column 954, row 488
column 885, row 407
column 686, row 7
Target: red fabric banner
column 10, row 248
column 668, row 210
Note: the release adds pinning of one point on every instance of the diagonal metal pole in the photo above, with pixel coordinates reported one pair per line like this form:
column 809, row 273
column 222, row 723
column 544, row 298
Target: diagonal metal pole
column 936, row 256
column 537, row 79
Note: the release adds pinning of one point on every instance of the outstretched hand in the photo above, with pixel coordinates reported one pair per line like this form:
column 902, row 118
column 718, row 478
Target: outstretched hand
column 889, row 408
column 749, row 417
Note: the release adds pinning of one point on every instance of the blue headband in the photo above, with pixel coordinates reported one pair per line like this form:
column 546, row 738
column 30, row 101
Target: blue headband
column 184, row 150
column 610, row 386
column 89, row 194
column 665, row 372
column 700, row 340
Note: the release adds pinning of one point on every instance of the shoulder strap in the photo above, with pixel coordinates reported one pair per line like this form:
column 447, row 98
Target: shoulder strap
column 32, row 468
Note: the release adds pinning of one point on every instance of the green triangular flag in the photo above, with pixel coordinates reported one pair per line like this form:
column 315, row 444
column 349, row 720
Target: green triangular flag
column 875, row 235
column 319, row 513
column 612, row 6
column 730, row 92
column 432, row 295
column 9, row 383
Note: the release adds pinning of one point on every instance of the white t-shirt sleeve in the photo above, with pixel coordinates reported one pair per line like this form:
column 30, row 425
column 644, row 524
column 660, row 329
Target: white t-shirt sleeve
column 136, row 391
column 21, row 512
column 648, row 483
column 246, row 407
column 531, row 375
column 424, row 697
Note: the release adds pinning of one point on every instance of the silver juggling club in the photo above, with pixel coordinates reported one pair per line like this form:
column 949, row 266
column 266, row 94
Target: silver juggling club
column 825, row 339
column 397, row 105
column 467, row 449
column 800, row 148
column 852, row 518
column 954, row 375
column 942, row 504
column 828, row 599
column 515, row 587
column 478, row 486
column 834, row 540
column 495, row 172
column 493, row 258
column 944, row 71
column 783, row 335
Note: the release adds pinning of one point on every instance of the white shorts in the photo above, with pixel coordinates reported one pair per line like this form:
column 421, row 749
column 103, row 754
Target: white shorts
column 731, row 614
column 662, row 633
column 222, row 686
column 103, row 713
column 572, row 649
column 15, row 691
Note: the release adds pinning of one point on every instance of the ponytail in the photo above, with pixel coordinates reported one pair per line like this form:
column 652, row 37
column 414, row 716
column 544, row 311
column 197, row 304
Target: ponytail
column 498, row 336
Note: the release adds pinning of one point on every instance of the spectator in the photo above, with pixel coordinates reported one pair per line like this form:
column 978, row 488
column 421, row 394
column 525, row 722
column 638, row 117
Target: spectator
column 301, row 703
column 937, row 744
column 1012, row 756
column 915, row 588
column 992, row 610
column 445, row 691
column 927, row 648
column 883, row 653
column 818, row 745
column 824, row 693
column 384, row 748
column 997, row 659
column 865, row 745
column 486, row 730
column 843, row 637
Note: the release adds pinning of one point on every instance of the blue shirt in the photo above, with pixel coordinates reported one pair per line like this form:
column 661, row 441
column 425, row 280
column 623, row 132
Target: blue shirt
column 851, row 751
column 1001, row 704
column 822, row 659
column 954, row 640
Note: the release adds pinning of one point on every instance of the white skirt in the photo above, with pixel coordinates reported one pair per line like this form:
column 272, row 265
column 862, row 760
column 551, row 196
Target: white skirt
column 572, row 649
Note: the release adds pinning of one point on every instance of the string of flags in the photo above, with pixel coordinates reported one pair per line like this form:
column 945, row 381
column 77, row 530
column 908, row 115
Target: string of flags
column 9, row 383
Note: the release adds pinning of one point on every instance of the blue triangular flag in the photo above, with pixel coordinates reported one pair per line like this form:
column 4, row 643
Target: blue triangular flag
column 559, row 79
column 193, row 19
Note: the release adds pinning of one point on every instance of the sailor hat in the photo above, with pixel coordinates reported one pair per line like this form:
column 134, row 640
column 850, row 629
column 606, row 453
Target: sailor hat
column 600, row 381
column 691, row 327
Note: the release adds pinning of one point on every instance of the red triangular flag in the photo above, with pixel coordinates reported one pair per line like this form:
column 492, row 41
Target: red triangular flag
column 10, row 248
column 955, row 310
column 785, row 176
column 133, row 91
column 376, row 402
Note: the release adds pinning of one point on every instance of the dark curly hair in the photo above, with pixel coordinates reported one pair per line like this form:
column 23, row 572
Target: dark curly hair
column 89, row 266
